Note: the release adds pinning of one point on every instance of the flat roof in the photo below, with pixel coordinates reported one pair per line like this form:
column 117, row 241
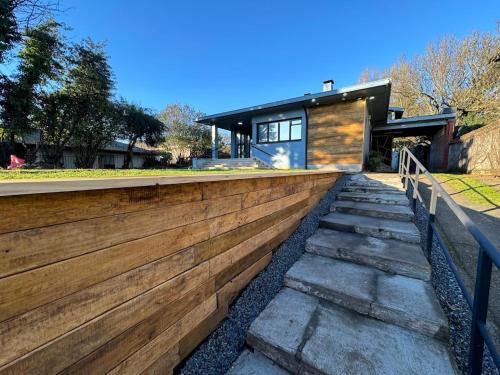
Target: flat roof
column 417, row 125
column 396, row 109
column 378, row 91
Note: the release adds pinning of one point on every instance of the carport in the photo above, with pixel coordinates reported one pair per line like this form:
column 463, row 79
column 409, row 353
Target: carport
column 438, row 128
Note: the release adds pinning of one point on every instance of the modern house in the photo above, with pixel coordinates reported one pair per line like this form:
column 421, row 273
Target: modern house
column 334, row 129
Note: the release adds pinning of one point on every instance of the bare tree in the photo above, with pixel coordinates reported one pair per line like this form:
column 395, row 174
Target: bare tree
column 372, row 74
column 463, row 74
column 31, row 12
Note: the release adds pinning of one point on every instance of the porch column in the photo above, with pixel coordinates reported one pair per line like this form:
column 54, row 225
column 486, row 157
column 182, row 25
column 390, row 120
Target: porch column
column 215, row 152
column 233, row 144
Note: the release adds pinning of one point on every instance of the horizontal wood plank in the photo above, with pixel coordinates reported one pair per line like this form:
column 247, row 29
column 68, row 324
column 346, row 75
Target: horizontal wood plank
column 85, row 339
column 154, row 349
column 37, row 247
column 58, row 208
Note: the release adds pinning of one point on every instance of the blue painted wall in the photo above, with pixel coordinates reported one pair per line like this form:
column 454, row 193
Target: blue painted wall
column 285, row 154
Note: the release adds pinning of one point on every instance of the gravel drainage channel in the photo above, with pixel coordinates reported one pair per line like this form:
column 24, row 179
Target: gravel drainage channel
column 450, row 296
column 223, row 346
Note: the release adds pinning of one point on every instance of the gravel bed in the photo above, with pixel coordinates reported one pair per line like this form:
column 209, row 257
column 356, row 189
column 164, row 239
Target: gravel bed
column 450, row 296
column 223, row 346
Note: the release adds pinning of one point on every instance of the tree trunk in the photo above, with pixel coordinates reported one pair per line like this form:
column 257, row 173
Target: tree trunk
column 128, row 157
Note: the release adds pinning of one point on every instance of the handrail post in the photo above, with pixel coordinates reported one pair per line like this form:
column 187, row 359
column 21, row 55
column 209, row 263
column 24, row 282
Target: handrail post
column 415, row 188
column 430, row 221
column 479, row 311
column 400, row 161
column 407, row 174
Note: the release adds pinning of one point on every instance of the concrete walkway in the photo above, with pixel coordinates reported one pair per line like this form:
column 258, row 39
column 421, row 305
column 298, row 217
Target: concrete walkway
column 359, row 300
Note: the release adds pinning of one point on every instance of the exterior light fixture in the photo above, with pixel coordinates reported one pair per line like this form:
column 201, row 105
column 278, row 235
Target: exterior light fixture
column 371, row 97
column 313, row 100
column 240, row 123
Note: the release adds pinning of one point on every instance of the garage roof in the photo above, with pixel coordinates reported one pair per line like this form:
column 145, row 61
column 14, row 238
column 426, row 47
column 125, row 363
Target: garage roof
column 412, row 126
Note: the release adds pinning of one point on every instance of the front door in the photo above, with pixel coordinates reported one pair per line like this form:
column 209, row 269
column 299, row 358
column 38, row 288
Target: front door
column 243, row 145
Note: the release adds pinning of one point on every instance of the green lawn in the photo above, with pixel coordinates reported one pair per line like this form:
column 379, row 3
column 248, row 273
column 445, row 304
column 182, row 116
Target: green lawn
column 34, row 174
column 471, row 188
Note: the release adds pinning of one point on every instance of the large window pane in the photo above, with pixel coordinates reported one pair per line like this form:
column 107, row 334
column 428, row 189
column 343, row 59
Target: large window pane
column 284, row 130
column 262, row 136
column 296, row 133
column 273, row 132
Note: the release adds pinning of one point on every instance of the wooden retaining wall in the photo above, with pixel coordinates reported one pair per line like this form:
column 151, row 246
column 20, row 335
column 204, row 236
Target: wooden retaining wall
column 130, row 280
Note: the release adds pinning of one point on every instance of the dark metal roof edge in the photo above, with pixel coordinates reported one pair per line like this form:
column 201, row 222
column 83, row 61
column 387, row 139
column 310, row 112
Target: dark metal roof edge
column 425, row 118
column 300, row 99
column 410, row 125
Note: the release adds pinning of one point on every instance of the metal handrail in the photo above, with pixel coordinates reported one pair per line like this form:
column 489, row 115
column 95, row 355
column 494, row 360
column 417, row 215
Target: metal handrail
column 488, row 255
column 261, row 150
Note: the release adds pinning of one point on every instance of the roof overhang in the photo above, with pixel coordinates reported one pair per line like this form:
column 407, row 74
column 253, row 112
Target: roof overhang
column 377, row 94
column 412, row 126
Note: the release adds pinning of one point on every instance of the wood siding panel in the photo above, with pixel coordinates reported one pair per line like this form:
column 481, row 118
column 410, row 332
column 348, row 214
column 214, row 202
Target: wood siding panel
column 132, row 280
column 335, row 134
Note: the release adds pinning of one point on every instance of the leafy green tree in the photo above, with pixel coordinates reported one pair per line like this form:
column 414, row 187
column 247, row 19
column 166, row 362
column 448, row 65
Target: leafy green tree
column 90, row 83
column 9, row 34
column 138, row 124
column 56, row 123
column 184, row 136
column 41, row 61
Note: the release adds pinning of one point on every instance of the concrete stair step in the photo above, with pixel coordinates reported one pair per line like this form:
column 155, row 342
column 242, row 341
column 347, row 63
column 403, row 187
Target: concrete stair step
column 382, row 189
column 392, row 256
column 397, row 199
column 254, row 363
column 371, row 226
column 306, row 335
column 394, row 299
column 386, row 211
column 391, row 180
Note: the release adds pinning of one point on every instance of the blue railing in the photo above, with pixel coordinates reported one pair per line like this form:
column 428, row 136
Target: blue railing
column 488, row 256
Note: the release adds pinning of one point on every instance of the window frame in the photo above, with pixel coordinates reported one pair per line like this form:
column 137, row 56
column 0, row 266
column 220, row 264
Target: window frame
column 278, row 121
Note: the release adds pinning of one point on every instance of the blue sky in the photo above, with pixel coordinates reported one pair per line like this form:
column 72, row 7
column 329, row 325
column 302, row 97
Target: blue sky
column 222, row 55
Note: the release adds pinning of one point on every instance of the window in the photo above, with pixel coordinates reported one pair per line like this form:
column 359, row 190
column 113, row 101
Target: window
column 282, row 131
column 273, row 132
column 106, row 161
column 262, row 133
column 296, row 130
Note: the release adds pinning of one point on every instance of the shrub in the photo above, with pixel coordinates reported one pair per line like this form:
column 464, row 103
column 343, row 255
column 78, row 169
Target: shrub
column 374, row 161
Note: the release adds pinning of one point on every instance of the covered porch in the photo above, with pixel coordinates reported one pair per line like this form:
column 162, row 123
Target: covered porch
column 241, row 138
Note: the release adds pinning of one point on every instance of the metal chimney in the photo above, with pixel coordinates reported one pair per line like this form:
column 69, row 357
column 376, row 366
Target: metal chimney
column 328, row 85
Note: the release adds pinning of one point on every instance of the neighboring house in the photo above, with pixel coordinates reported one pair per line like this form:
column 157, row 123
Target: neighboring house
column 110, row 157
column 336, row 128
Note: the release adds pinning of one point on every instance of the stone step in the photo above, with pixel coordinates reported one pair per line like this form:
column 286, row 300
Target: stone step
column 363, row 180
column 306, row 335
column 383, row 189
column 392, row 256
column 394, row 299
column 371, row 226
column 254, row 363
column 386, row 211
column 397, row 199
